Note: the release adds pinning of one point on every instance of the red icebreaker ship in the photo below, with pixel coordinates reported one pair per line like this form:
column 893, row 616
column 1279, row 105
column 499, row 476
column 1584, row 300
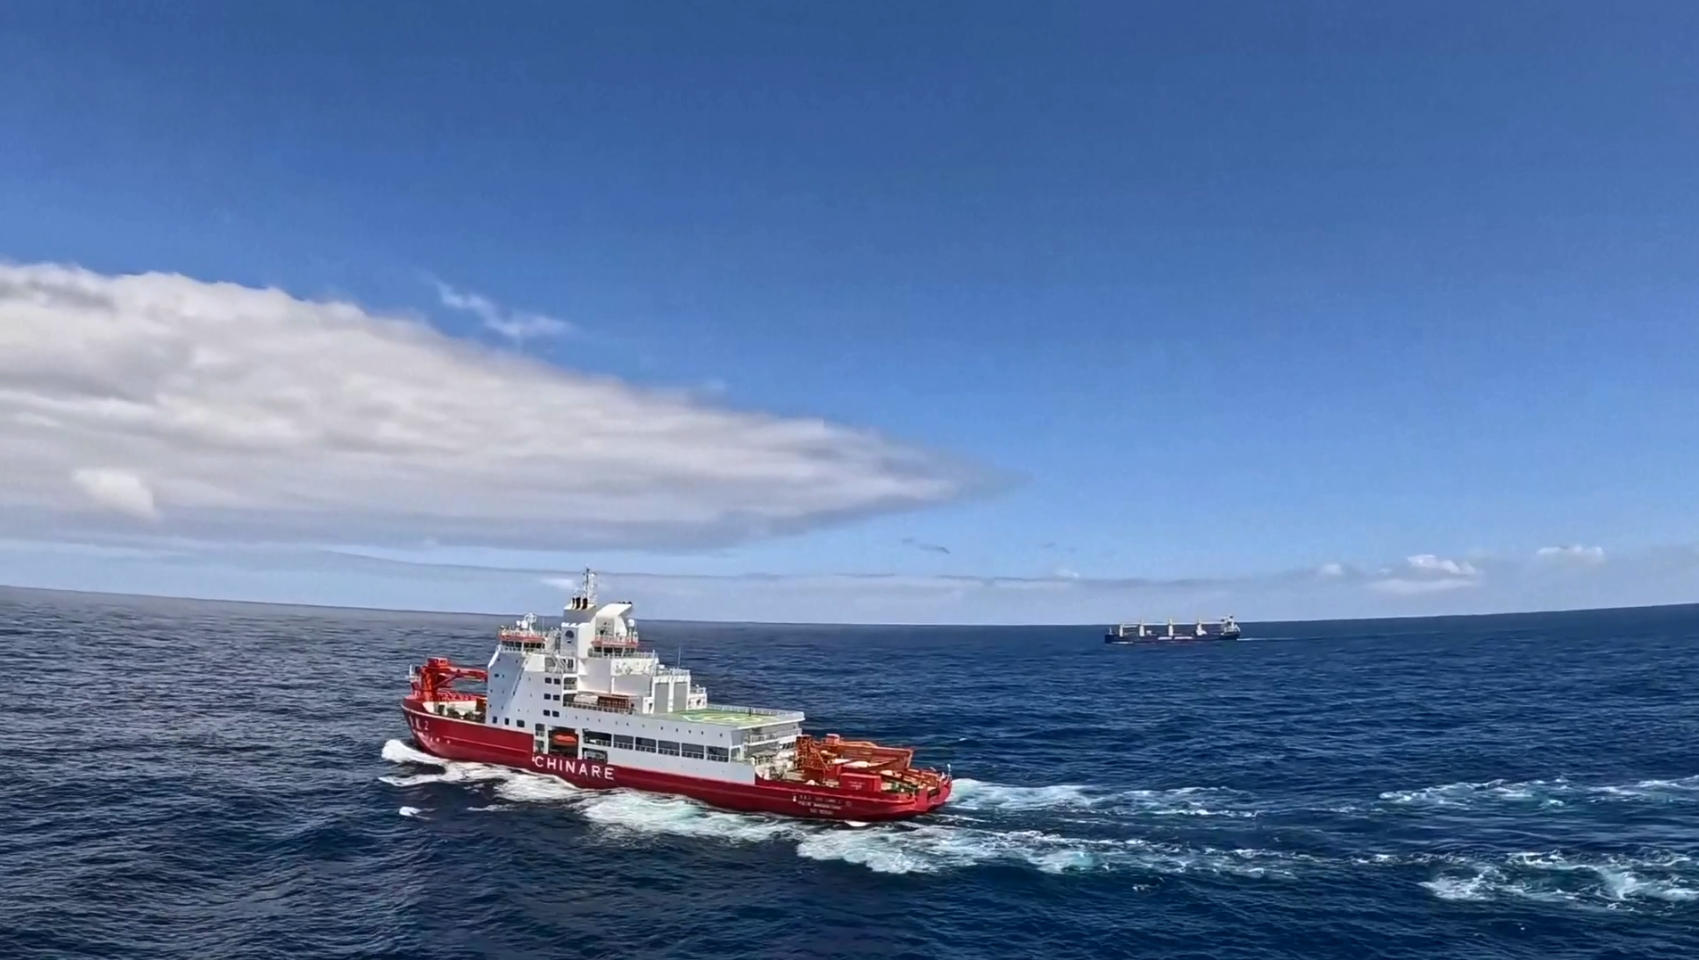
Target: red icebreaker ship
column 583, row 702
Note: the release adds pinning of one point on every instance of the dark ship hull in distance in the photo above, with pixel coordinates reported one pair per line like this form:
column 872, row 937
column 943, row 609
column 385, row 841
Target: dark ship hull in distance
column 1201, row 630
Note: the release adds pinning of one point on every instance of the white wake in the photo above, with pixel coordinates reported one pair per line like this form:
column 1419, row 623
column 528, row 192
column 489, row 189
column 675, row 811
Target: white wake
column 1556, row 792
column 908, row 847
column 965, row 833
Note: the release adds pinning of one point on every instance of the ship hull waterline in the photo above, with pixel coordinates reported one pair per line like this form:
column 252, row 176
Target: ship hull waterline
column 462, row 741
column 1144, row 641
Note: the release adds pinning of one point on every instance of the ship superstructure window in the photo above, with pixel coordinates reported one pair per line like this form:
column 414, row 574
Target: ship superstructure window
column 691, row 750
column 667, row 747
column 719, row 753
column 645, row 744
column 598, row 738
column 623, row 742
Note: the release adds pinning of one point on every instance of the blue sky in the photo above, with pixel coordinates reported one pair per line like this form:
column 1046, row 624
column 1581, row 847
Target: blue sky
column 1150, row 298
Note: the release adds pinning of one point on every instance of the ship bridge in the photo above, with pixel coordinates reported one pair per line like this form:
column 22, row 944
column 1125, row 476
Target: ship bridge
column 588, row 688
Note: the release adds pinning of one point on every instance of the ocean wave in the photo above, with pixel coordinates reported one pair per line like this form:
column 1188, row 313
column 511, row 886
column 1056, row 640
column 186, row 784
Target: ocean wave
column 940, row 845
column 933, row 848
column 979, row 796
column 623, row 811
column 1557, row 792
column 882, row 848
column 1551, row 877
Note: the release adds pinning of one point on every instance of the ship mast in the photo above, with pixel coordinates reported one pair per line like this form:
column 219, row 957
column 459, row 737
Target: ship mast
column 585, row 599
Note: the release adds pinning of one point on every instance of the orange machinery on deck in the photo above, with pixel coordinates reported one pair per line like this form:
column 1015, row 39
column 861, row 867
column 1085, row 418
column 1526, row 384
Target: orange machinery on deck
column 432, row 683
column 861, row 765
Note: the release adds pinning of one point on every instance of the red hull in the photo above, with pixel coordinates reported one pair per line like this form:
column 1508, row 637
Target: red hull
column 461, row 740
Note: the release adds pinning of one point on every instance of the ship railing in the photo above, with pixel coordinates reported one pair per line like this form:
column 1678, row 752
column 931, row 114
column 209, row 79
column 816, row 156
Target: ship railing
column 753, row 711
column 786, row 728
column 602, row 709
column 619, row 652
column 610, row 640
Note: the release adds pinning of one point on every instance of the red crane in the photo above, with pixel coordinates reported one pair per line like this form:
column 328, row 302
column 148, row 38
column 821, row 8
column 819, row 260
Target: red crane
column 432, row 682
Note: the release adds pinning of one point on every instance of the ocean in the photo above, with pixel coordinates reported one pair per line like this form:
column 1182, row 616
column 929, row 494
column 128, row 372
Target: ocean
column 196, row 779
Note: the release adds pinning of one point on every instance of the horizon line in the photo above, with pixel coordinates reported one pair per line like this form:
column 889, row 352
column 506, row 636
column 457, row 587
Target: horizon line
column 826, row 623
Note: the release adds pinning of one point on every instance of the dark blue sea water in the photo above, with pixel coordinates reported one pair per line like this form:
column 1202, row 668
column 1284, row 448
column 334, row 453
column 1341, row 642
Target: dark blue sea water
column 191, row 779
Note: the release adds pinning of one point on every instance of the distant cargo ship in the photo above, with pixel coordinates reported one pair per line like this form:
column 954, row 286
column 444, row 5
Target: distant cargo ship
column 1227, row 629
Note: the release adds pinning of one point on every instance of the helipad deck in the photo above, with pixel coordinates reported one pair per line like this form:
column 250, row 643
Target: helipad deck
column 730, row 716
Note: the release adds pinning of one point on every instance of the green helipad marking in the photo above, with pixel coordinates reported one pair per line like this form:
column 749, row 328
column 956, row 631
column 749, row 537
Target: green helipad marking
column 711, row 715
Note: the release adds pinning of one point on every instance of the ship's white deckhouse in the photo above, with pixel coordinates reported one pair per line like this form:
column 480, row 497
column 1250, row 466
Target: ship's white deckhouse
column 585, row 690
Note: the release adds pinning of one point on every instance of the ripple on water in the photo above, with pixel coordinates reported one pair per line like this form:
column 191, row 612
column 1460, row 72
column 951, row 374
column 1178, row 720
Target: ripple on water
column 1411, row 793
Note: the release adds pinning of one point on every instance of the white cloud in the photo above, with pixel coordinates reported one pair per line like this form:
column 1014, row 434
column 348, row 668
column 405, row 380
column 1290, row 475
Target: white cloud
column 228, row 413
column 517, row 326
column 1573, row 553
column 293, row 573
column 1426, row 573
column 118, row 490
column 1427, row 563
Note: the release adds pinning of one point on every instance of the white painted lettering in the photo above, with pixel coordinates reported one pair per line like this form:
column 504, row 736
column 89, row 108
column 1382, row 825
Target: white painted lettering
column 571, row 767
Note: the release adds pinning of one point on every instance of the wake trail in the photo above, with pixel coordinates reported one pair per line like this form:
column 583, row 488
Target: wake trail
column 1553, row 793
column 990, row 824
column 904, row 847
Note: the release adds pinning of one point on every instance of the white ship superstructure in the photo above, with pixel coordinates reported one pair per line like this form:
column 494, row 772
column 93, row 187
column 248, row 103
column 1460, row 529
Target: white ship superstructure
column 586, row 679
